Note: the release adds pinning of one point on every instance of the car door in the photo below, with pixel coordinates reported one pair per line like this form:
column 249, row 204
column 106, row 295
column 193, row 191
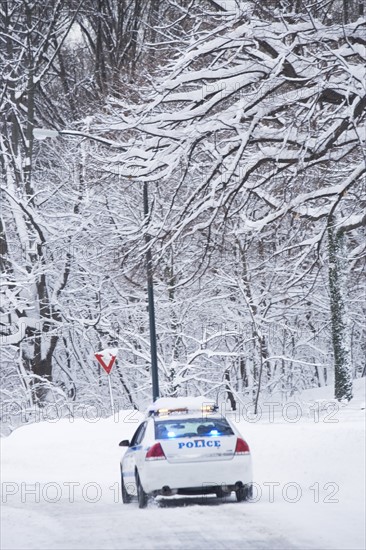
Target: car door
column 129, row 460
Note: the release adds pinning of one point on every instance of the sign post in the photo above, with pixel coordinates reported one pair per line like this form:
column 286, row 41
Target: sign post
column 110, row 393
column 106, row 359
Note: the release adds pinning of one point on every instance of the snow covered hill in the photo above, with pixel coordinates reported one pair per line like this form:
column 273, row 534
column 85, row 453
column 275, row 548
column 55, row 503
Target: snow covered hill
column 60, row 486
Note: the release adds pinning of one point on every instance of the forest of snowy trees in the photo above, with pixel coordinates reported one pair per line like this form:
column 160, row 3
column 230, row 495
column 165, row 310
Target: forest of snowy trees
column 245, row 121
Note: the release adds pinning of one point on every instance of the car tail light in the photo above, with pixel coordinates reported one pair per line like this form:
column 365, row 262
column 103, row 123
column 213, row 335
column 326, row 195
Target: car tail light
column 155, row 453
column 242, row 447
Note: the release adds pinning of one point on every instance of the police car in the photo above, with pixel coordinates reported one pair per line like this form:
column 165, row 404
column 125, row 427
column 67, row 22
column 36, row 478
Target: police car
column 185, row 447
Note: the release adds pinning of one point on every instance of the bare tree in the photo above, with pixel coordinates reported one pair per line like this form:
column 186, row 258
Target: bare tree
column 274, row 111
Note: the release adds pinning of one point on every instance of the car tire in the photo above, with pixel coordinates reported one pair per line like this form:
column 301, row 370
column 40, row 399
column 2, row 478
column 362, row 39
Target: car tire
column 141, row 495
column 244, row 493
column 126, row 498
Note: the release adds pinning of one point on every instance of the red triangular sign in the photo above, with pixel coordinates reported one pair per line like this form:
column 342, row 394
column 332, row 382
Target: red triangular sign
column 107, row 368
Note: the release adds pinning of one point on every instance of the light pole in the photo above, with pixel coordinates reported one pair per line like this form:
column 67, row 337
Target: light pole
column 151, row 307
column 42, row 133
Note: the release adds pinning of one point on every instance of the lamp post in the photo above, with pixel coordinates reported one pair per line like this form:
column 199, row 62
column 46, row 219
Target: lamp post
column 42, row 133
column 151, row 307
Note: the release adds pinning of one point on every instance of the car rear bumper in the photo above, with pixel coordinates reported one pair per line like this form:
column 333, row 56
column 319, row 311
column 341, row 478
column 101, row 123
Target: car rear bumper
column 156, row 475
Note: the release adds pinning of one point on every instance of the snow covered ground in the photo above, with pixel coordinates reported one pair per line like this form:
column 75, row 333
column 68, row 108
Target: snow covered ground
column 60, row 486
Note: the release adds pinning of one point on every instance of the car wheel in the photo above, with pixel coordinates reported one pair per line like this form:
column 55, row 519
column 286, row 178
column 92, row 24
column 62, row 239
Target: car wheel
column 244, row 493
column 126, row 498
column 141, row 495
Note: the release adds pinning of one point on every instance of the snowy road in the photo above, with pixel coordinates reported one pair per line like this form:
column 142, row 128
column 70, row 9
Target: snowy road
column 192, row 526
column 60, row 490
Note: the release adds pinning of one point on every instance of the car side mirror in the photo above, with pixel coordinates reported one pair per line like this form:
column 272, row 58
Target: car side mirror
column 124, row 443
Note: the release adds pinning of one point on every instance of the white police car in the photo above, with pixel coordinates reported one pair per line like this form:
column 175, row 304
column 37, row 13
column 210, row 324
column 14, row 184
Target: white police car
column 185, row 447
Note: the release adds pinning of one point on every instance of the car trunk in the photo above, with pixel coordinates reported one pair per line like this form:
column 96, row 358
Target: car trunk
column 199, row 449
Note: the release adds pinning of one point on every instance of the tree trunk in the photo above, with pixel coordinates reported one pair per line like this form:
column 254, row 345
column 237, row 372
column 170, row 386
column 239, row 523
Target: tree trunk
column 340, row 332
column 229, row 392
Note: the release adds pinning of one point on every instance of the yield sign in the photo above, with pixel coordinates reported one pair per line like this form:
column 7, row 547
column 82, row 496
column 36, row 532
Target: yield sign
column 106, row 359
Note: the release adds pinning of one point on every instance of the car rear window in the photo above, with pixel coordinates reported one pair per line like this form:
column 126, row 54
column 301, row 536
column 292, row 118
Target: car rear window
column 192, row 427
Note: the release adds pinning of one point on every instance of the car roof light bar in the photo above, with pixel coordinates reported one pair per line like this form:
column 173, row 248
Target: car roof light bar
column 183, row 410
